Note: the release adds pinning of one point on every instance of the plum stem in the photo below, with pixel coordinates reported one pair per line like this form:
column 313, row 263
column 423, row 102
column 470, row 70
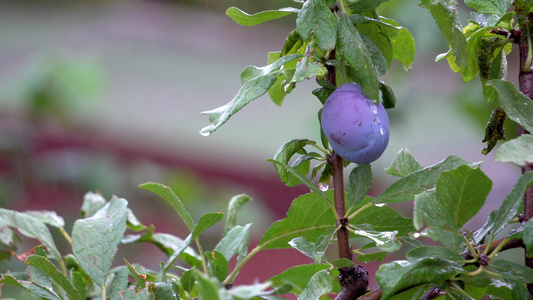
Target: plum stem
column 343, row 235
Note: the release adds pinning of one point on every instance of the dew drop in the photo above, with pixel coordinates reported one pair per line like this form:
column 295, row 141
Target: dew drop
column 205, row 133
column 416, row 235
column 379, row 204
column 323, row 187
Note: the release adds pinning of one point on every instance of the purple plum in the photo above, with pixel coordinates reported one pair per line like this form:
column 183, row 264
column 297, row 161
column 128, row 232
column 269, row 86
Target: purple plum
column 356, row 128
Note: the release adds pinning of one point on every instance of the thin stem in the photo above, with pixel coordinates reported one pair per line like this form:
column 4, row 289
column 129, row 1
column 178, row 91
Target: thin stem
column 472, row 250
column 204, row 263
column 487, row 249
column 499, row 248
column 103, row 292
column 369, row 204
column 238, row 267
column 65, row 235
column 476, row 272
column 343, row 236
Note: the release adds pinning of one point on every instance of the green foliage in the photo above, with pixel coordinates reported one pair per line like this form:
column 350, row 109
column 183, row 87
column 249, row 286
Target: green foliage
column 351, row 38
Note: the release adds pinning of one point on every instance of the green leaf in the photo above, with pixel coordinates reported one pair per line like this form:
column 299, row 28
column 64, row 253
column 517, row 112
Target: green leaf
column 235, row 242
column 298, row 276
column 249, row 291
column 434, row 251
column 252, row 72
column 320, row 284
column 47, row 217
column 309, row 216
column 95, row 239
column 369, row 257
column 79, row 283
column 251, row 90
column 31, row 227
column 343, row 263
column 317, row 250
column 161, row 291
column 284, row 155
column 497, row 7
column 471, row 69
column 133, row 223
column 30, row 287
column 447, row 20
column 293, row 44
column 359, row 183
column 92, row 202
column 140, row 280
column 511, row 204
column 518, row 106
column 167, row 243
column 378, row 46
column 166, row 193
column 276, row 92
column 404, row 164
column 500, row 289
column 315, row 21
column 415, row 293
column 313, row 187
column 209, row 288
column 188, row 279
column 119, row 284
column 528, row 237
column 133, row 295
column 403, row 47
column 242, row 18
column 442, row 227
column 234, row 206
column 387, row 95
column 308, row 67
column 354, row 52
column 43, row 264
column 400, row 275
column 385, row 240
column 206, row 221
column 364, row 5
column 463, row 192
column 518, row 151
column 406, row 188
column 217, row 265
column 519, row 271
column 382, row 218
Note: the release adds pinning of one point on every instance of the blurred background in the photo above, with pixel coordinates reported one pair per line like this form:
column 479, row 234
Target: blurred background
column 106, row 95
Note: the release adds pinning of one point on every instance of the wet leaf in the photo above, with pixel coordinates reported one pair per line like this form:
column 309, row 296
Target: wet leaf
column 242, row 18
column 404, row 274
column 518, row 107
column 518, row 151
column 320, row 284
column 422, row 180
column 404, row 164
column 95, row 239
column 43, row 264
column 316, row 21
column 309, row 216
column 353, row 50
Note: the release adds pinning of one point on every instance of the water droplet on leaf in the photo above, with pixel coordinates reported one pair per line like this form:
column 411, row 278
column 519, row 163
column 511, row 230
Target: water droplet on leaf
column 379, row 204
column 205, row 133
column 323, row 187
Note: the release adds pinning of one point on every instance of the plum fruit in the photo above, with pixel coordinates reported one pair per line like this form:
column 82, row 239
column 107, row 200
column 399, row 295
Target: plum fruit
column 356, row 128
